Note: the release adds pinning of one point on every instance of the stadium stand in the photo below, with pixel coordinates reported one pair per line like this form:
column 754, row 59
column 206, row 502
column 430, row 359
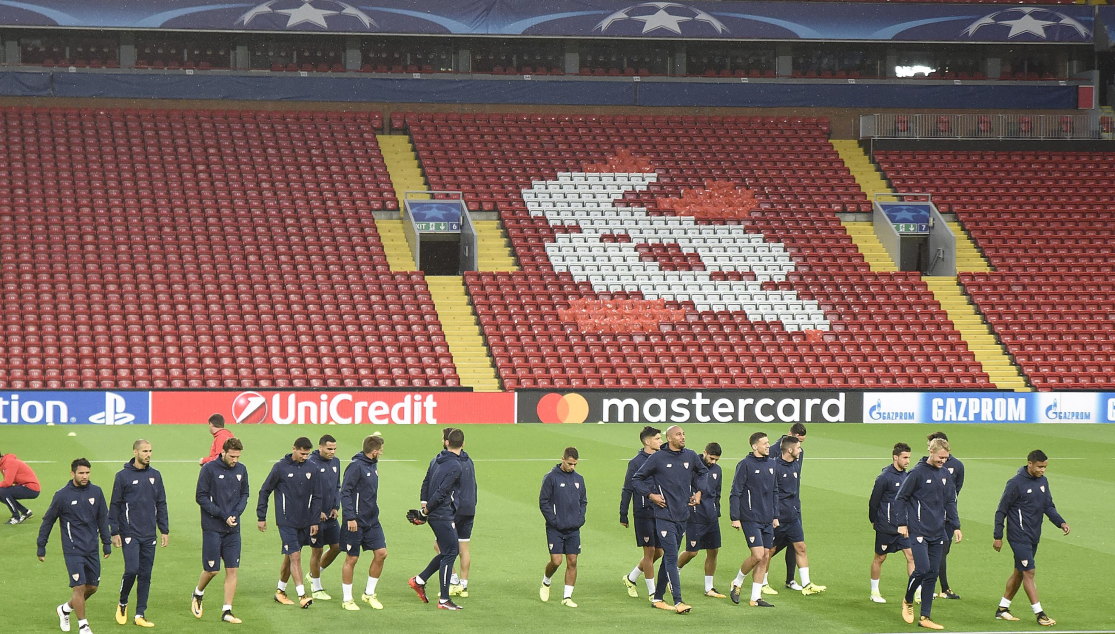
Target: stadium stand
column 189, row 248
column 1043, row 220
column 800, row 308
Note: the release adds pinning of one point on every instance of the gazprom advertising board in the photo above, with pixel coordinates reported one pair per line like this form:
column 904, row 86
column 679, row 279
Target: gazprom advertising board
column 989, row 407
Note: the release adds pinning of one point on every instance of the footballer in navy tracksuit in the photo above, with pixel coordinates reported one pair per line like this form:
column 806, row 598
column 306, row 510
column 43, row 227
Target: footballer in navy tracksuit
column 882, row 513
column 702, row 531
column 642, row 510
column 137, row 511
column 328, row 531
column 796, row 431
column 677, row 474
column 788, row 477
column 441, row 484
column 753, row 501
column 298, row 501
column 360, row 503
column 466, row 498
column 1025, row 500
column 563, row 500
column 80, row 509
column 926, row 506
column 222, row 493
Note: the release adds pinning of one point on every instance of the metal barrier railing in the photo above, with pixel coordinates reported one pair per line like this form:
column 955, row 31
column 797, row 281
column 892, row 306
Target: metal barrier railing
column 987, row 126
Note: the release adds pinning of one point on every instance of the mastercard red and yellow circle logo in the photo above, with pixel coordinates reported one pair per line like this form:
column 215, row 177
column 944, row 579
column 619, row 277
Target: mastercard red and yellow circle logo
column 558, row 408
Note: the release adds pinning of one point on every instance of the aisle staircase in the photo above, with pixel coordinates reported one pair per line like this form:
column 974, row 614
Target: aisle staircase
column 975, row 331
column 867, row 175
column 462, row 333
column 402, row 165
column 493, row 249
column 876, row 256
column 969, row 259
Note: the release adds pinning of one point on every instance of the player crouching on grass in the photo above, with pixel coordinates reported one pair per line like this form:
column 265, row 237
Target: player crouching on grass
column 362, row 530
column 1026, row 498
column 563, row 500
column 80, row 508
column 925, row 508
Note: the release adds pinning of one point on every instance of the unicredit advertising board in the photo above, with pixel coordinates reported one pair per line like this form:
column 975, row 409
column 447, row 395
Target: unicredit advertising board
column 339, row 407
column 989, row 407
column 688, row 406
column 48, row 407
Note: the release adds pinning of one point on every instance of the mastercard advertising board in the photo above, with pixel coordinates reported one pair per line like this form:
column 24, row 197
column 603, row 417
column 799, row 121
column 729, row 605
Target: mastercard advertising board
column 312, row 407
column 688, row 406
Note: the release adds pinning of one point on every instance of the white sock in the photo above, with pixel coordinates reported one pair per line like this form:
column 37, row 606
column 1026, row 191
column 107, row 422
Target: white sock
column 1004, row 602
column 82, row 623
column 568, row 592
column 67, row 608
column 708, row 583
column 315, row 583
column 227, row 607
column 739, row 579
column 804, row 575
column 200, row 593
column 756, row 591
column 634, row 574
column 301, row 590
column 419, row 580
column 765, row 583
column 371, row 587
column 545, row 581
column 650, row 587
column 874, row 585
column 346, row 591
column 464, row 583
column 282, row 586
column 454, row 580
column 1037, row 607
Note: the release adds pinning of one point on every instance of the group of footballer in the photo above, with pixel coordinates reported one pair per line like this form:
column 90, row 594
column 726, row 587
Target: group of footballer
column 672, row 492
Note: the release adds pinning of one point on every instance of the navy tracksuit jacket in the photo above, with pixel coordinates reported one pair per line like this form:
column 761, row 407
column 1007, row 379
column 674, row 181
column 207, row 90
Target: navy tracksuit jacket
column 82, row 514
column 298, row 493
column 330, row 473
column 563, row 499
column 753, row 497
column 956, row 470
column 788, row 489
column 880, row 507
column 642, row 507
column 676, row 476
column 222, row 492
column 360, row 491
column 926, row 502
column 138, row 505
column 440, row 486
column 466, row 488
column 708, row 511
column 1025, row 500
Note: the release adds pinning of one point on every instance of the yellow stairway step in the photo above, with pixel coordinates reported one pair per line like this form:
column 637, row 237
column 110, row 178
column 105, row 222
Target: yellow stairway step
column 462, row 333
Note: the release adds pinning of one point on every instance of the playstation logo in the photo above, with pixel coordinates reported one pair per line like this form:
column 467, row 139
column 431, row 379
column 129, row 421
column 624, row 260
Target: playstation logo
column 249, row 407
column 113, row 413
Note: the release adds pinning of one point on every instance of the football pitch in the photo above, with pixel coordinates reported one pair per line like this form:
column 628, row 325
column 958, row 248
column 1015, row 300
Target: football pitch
column 509, row 545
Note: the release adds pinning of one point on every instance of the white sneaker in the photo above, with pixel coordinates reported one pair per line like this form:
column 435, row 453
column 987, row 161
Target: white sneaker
column 85, row 629
column 63, row 619
column 876, row 597
column 795, row 586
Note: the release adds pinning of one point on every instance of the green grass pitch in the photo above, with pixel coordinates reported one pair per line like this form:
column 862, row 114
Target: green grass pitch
column 509, row 549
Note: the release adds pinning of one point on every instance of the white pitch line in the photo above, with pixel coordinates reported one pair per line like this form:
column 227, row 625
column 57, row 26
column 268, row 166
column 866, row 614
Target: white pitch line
column 1024, row 632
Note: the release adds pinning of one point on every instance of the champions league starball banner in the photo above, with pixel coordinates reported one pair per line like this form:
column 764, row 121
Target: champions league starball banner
column 578, row 18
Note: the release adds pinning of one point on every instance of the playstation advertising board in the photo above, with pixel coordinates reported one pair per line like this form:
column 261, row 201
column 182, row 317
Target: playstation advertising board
column 859, row 21
column 688, row 406
column 74, row 408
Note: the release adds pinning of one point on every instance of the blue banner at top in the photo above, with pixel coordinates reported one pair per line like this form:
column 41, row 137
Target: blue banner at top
column 578, row 18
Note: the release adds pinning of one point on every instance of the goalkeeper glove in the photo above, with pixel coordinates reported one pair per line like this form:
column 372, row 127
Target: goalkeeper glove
column 416, row 517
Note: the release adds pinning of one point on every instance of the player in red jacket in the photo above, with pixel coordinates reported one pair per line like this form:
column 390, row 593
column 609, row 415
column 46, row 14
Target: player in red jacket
column 220, row 435
column 19, row 483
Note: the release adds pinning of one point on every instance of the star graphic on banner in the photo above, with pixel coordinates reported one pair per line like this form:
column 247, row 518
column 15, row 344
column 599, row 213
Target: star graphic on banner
column 1027, row 24
column 661, row 20
column 349, row 10
column 307, row 13
column 255, row 12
